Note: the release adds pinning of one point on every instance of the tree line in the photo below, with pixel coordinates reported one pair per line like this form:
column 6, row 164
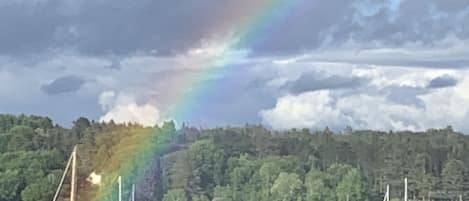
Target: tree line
column 244, row 163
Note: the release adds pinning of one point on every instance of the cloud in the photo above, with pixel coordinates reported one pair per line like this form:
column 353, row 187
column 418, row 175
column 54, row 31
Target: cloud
column 442, row 82
column 122, row 108
column 312, row 81
column 310, row 109
column 385, row 106
column 159, row 80
column 107, row 27
column 24, row 93
column 63, row 84
column 170, row 27
column 145, row 86
column 405, row 95
column 447, row 53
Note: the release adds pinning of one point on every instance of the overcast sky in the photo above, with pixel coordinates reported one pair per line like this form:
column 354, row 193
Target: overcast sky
column 369, row 64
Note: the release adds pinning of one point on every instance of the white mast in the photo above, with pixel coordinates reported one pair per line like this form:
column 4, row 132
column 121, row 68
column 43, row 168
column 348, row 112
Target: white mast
column 133, row 192
column 386, row 196
column 120, row 188
column 74, row 174
column 405, row 189
column 387, row 189
column 57, row 192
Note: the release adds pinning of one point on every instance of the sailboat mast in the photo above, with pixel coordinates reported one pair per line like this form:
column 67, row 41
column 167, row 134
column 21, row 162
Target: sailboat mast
column 120, row 188
column 133, row 192
column 387, row 192
column 405, row 189
column 74, row 174
column 57, row 192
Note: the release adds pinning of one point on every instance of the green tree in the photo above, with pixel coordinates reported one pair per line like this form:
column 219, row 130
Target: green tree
column 224, row 194
column 41, row 190
column 453, row 175
column 10, row 182
column 199, row 197
column 287, row 187
column 175, row 195
column 336, row 172
column 199, row 168
column 352, row 187
column 317, row 188
column 21, row 138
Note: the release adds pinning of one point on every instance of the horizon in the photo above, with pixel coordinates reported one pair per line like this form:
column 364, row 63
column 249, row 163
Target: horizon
column 180, row 126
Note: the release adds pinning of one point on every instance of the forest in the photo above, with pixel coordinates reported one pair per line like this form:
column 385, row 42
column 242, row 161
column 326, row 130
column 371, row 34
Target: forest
column 242, row 163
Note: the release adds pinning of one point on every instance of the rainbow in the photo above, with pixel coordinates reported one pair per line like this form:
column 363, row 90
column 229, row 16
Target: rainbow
column 249, row 23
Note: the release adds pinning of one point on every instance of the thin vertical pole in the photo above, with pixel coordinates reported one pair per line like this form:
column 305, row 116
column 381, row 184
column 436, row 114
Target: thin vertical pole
column 59, row 188
column 405, row 189
column 387, row 193
column 120, row 188
column 133, row 192
column 74, row 174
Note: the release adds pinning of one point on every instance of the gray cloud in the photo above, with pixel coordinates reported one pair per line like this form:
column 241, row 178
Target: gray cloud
column 123, row 27
column 313, row 81
column 405, row 95
column 107, row 26
column 114, row 65
column 63, row 85
column 417, row 20
column 442, row 82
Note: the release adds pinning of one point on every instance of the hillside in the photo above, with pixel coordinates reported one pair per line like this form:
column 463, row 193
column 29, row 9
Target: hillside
column 231, row 163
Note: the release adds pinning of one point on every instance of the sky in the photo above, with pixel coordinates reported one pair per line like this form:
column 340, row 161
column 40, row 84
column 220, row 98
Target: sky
column 369, row 64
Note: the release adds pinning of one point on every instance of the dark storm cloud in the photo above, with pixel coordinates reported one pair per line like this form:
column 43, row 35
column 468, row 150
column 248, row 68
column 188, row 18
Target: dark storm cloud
column 63, row 85
column 104, row 27
column 313, row 81
column 442, row 82
column 167, row 26
column 27, row 26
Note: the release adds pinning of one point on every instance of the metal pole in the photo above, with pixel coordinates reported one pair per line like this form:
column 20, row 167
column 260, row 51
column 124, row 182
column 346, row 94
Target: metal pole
column 386, row 195
column 133, row 192
column 405, row 189
column 120, row 188
column 57, row 192
column 74, row 174
column 387, row 192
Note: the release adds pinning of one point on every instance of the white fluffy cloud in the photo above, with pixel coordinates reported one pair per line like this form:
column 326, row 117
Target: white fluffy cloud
column 304, row 110
column 124, row 109
column 371, row 109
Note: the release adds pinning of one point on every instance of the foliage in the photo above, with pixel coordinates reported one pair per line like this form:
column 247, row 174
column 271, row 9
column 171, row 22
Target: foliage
column 175, row 195
column 249, row 163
